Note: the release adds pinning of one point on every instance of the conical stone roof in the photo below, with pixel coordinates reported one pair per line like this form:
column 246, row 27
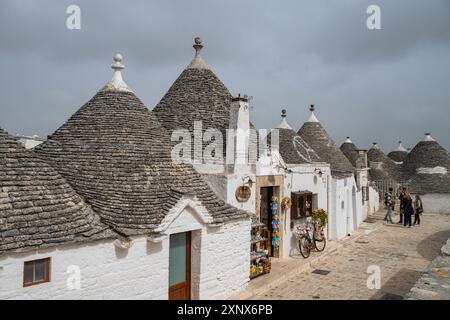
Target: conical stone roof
column 349, row 149
column 399, row 154
column 315, row 136
column 197, row 95
column 38, row 209
column 292, row 147
column 115, row 153
column 427, row 167
column 381, row 166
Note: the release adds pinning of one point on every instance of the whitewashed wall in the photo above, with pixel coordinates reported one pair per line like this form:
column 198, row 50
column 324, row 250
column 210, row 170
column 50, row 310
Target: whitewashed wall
column 374, row 200
column 302, row 178
column 342, row 209
column 236, row 180
column 220, row 264
column 362, row 176
column 107, row 272
column 436, row 203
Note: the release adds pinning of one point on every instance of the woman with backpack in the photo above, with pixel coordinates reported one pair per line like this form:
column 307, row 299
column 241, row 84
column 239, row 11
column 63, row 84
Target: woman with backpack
column 418, row 209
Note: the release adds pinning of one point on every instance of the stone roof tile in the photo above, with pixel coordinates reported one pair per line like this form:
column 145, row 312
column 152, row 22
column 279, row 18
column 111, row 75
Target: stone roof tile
column 315, row 135
column 116, row 154
column 38, row 208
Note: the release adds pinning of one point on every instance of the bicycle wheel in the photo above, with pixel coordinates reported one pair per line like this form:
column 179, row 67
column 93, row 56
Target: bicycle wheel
column 304, row 246
column 320, row 243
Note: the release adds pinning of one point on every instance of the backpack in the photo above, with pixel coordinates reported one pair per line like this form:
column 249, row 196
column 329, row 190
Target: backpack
column 393, row 204
column 387, row 199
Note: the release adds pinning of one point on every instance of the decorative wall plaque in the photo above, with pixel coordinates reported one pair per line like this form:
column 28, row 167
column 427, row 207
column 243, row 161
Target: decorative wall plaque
column 243, row 193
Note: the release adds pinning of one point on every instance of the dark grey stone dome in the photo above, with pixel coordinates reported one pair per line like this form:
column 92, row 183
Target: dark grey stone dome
column 38, row 209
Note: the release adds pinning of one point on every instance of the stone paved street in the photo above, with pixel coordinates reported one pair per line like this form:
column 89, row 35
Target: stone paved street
column 402, row 254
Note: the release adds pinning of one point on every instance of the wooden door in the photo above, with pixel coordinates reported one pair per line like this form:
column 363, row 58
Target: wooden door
column 180, row 266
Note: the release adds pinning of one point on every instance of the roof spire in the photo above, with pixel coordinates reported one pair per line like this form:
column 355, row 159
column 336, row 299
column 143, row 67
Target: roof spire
column 312, row 117
column 197, row 45
column 284, row 124
column 428, row 137
column 117, row 83
column 197, row 62
column 375, row 145
column 401, row 147
column 348, row 140
column 117, row 65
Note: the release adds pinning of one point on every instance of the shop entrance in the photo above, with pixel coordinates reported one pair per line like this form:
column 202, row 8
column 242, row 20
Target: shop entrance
column 266, row 216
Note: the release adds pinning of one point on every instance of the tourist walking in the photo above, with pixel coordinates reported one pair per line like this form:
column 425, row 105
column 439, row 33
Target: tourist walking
column 401, row 198
column 389, row 202
column 418, row 209
column 408, row 210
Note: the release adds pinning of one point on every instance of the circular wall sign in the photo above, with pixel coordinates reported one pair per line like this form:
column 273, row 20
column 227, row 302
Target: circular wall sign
column 243, row 193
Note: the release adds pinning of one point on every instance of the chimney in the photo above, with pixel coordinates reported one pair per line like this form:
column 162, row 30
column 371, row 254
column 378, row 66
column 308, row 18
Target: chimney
column 240, row 122
column 361, row 159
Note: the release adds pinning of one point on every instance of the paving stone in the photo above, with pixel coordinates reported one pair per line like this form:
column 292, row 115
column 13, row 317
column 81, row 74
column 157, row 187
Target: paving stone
column 402, row 254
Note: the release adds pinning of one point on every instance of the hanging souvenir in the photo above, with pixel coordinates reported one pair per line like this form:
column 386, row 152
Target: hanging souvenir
column 275, row 223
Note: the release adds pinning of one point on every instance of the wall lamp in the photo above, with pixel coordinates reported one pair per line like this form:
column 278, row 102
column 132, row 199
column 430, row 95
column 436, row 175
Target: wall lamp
column 247, row 180
column 319, row 172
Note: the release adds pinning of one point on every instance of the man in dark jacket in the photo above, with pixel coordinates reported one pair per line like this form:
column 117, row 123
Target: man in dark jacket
column 402, row 200
column 408, row 210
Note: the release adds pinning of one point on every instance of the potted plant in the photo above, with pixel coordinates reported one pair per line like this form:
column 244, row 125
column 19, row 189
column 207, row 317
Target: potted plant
column 321, row 217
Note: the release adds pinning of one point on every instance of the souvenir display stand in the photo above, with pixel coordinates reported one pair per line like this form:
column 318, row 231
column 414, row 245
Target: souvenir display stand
column 259, row 251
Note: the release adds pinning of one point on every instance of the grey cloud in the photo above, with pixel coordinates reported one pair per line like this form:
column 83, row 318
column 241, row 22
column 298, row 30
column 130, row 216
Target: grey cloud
column 372, row 85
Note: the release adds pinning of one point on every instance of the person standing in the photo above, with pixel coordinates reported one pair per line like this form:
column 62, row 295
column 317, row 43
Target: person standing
column 388, row 201
column 408, row 210
column 401, row 198
column 418, row 209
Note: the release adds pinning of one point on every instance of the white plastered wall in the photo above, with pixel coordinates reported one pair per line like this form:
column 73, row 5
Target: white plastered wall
column 220, row 263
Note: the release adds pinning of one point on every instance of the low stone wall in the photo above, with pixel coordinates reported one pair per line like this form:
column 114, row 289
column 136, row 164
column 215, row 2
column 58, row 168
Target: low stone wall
column 434, row 284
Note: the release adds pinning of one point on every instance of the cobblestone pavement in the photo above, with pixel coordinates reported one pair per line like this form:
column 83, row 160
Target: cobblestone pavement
column 402, row 254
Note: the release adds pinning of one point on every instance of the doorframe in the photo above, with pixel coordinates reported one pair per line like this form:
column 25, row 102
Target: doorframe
column 277, row 182
column 188, row 267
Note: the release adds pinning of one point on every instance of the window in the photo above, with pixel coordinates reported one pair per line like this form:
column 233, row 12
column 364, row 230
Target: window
column 302, row 204
column 36, row 272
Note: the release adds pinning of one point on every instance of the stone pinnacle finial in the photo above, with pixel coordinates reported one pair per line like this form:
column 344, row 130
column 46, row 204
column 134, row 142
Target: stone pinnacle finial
column 400, row 147
column 284, row 124
column 117, row 83
column 197, row 45
column 312, row 117
column 428, row 137
column 117, row 65
column 197, row 62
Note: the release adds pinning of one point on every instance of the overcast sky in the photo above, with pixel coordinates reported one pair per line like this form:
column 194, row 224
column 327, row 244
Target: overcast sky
column 373, row 85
